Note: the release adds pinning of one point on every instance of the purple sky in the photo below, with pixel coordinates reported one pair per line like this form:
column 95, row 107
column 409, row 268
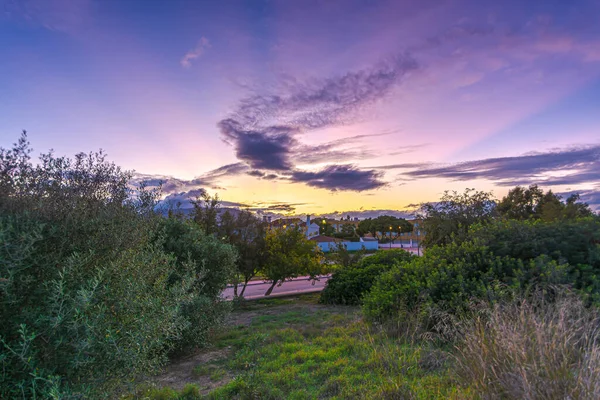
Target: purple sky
column 312, row 106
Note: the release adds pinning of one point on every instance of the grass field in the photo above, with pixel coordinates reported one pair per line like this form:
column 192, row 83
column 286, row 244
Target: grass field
column 295, row 348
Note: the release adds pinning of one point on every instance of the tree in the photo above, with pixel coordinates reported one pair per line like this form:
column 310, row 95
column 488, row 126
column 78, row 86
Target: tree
column 344, row 258
column 347, row 231
column 326, row 229
column 247, row 234
column 380, row 226
column 450, row 218
column 532, row 203
column 521, row 203
column 206, row 211
column 290, row 254
column 575, row 209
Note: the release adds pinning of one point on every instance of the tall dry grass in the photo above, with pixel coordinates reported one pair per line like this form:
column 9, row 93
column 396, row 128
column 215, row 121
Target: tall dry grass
column 532, row 349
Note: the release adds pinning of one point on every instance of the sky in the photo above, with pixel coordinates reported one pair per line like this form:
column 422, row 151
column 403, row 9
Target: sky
column 316, row 107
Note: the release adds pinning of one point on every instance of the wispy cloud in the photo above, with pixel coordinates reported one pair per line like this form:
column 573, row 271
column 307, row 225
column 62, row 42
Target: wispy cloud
column 190, row 188
column 68, row 16
column 195, row 53
column 264, row 129
column 571, row 166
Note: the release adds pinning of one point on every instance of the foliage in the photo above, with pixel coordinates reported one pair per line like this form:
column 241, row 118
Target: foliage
column 349, row 284
column 212, row 265
column 206, row 212
column 343, row 258
column 450, row 218
column 290, row 254
column 247, row 234
column 326, row 229
column 89, row 294
column 348, row 231
column 384, row 225
column 532, row 349
column 449, row 277
column 532, row 203
column 572, row 242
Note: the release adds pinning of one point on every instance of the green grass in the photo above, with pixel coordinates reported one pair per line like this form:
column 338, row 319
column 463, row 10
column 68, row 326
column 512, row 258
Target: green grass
column 296, row 349
column 189, row 392
column 328, row 354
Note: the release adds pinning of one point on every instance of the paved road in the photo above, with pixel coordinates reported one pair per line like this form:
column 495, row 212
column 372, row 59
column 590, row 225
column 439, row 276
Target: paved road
column 256, row 290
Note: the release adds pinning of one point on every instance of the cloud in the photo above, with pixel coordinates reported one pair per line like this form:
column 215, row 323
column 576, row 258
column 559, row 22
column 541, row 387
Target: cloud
column 196, row 52
column 403, row 166
column 571, row 166
column 180, row 187
column 68, row 16
column 337, row 150
column 363, row 214
column 326, row 102
column 340, row 177
column 269, row 148
column 408, row 149
column 264, row 129
column 225, row 171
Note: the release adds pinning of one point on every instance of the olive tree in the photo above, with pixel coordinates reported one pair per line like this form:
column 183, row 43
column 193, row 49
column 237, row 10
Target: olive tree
column 290, row 254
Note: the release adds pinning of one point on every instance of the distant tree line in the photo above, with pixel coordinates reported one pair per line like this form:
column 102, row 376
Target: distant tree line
column 450, row 218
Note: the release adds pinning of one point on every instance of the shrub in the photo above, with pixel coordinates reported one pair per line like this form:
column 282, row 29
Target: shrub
column 533, row 349
column 212, row 264
column 448, row 278
column 92, row 292
column 348, row 285
column 572, row 242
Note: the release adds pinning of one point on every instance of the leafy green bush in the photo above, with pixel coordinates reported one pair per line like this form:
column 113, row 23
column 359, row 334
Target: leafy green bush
column 211, row 262
column 92, row 290
column 348, row 285
column 572, row 242
column 449, row 277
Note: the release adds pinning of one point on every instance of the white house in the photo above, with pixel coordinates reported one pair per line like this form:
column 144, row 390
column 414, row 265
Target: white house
column 312, row 229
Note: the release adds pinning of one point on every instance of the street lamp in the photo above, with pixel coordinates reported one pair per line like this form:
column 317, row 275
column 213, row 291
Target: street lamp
column 390, row 237
column 399, row 233
column 418, row 243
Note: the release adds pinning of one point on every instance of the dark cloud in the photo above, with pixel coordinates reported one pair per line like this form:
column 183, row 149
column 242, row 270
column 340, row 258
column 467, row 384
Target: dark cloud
column 340, row 177
column 256, row 173
column 226, row 170
column 264, row 129
column 275, row 208
column 525, row 169
column 269, row 148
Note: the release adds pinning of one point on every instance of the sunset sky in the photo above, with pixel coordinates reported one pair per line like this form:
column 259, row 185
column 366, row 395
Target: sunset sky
column 312, row 106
